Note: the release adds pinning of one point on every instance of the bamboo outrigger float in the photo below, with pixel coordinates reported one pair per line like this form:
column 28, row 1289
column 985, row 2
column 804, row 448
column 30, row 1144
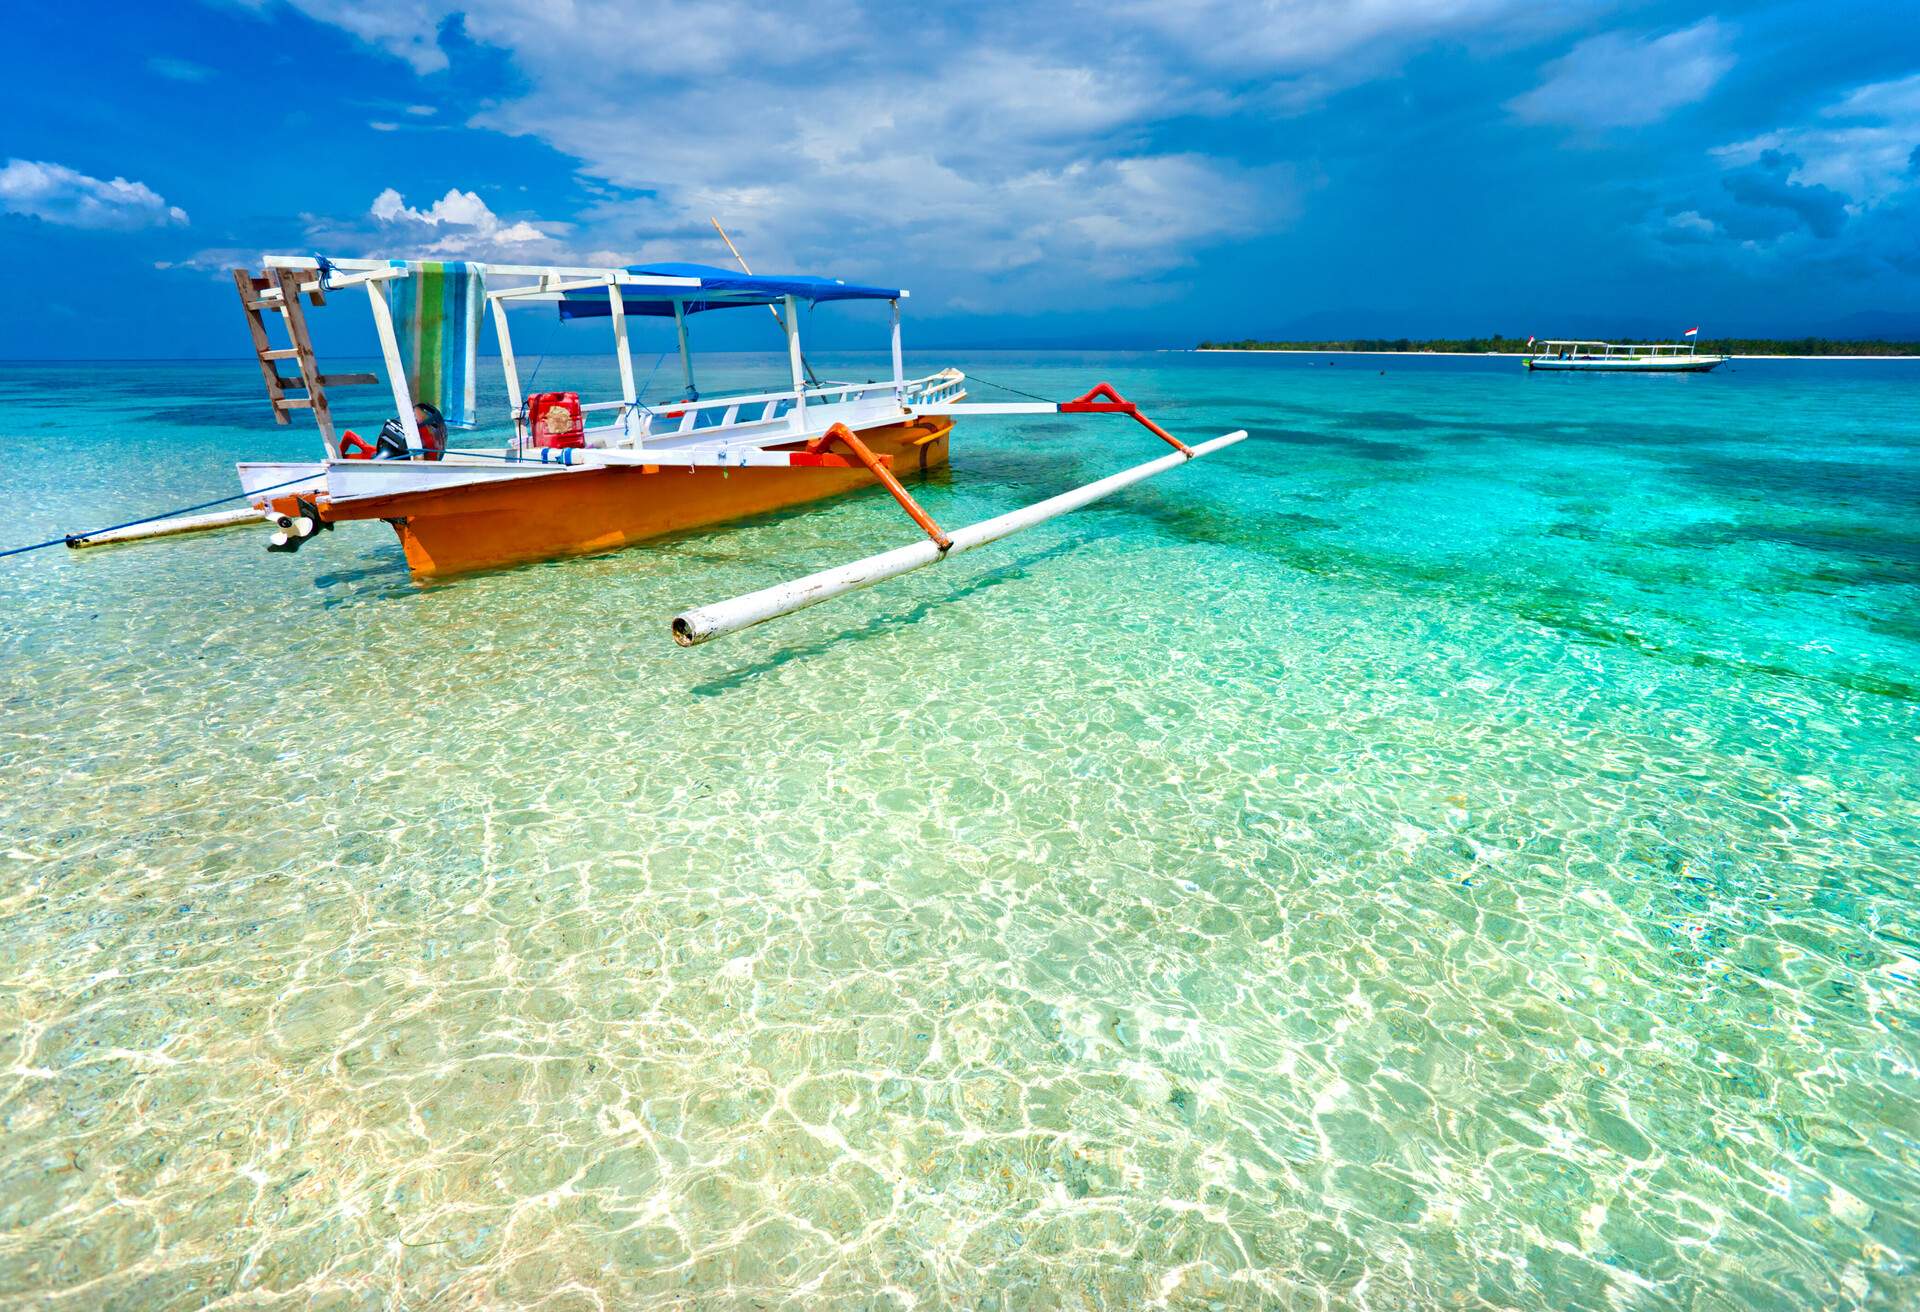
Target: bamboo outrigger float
column 577, row 477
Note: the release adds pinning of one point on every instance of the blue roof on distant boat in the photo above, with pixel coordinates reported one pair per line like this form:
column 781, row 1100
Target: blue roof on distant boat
column 720, row 289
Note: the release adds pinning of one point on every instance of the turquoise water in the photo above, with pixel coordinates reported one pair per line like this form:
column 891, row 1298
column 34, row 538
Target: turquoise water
column 1455, row 849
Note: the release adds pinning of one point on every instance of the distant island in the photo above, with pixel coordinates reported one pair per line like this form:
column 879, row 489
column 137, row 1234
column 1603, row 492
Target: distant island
column 1801, row 346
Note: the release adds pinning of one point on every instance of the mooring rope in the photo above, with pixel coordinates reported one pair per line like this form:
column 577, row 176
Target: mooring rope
column 1005, row 388
column 165, row 514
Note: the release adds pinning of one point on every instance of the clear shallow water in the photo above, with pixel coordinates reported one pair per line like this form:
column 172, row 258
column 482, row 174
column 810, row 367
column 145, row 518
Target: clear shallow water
column 1455, row 849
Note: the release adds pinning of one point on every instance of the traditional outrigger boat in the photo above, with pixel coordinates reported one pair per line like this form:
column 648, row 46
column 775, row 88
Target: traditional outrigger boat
column 1608, row 357
column 575, row 477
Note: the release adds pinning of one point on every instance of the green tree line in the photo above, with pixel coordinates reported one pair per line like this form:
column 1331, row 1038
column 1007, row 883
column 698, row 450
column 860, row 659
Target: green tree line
column 1482, row 345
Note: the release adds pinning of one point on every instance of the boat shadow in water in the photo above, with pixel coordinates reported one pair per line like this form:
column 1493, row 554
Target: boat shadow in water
column 1010, row 572
column 385, row 570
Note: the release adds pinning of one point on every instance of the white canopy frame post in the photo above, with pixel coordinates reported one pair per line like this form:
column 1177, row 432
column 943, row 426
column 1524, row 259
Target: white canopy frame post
column 617, row 311
column 686, row 355
column 797, row 364
column 396, row 371
column 899, row 360
column 511, row 369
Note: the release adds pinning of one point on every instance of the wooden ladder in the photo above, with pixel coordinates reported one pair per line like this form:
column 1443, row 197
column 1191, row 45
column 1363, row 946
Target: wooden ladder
column 279, row 290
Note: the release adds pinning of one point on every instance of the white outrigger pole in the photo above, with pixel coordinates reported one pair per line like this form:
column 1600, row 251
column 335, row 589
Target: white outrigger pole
column 693, row 627
column 703, row 623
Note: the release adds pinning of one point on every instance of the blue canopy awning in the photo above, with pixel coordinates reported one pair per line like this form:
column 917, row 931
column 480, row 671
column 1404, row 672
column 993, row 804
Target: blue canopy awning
column 720, row 289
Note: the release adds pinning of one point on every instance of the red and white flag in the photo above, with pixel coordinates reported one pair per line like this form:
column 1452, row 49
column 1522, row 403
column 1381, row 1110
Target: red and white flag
column 1691, row 332
column 1529, row 339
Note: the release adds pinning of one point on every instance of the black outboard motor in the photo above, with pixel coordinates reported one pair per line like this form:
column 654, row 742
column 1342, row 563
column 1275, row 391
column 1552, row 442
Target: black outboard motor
column 392, row 442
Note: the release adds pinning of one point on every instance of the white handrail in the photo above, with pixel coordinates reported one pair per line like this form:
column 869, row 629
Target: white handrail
column 812, row 393
column 760, row 427
column 932, row 382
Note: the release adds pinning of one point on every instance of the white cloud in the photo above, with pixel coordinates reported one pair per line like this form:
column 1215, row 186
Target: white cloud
column 406, row 29
column 215, row 259
column 1616, row 80
column 1862, row 145
column 1314, row 36
column 66, row 196
column 179, row 70
column 459, row 223
column 1017, row 165
column 876, row 141
column 1007, row 144
column 462, row 208
column 1899, row 99
column 691, row 36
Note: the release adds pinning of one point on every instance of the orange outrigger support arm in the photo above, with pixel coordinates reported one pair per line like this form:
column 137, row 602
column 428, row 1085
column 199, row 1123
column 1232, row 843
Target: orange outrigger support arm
column 877, row 466
column 1103, row 400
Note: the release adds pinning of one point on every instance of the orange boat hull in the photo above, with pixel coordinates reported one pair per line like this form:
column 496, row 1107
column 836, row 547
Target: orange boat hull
column 486, row 526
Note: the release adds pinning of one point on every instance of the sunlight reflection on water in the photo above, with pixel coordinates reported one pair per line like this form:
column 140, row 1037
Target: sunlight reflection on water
column 1454, row 849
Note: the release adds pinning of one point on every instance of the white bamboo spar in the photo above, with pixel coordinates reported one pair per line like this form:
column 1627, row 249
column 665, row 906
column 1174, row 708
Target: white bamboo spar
column 693, row 627
column 164, row 528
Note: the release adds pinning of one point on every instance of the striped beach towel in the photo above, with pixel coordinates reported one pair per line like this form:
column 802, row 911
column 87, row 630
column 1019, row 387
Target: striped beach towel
column 436, row 311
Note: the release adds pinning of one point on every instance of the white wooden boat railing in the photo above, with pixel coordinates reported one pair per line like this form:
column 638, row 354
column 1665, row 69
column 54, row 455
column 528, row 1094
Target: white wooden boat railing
column 782, row 416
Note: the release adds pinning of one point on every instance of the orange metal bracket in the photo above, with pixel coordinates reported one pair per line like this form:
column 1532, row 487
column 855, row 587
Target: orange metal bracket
column 877, row 466
column 1103, row 400
column 826, row 460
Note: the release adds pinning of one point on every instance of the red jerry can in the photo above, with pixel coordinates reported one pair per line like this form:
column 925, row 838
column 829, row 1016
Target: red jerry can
column 553, row 419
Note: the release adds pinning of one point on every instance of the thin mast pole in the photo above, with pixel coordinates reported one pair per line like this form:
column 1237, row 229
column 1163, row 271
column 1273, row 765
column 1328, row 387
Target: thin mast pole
column 686, row 356
column 742, row 260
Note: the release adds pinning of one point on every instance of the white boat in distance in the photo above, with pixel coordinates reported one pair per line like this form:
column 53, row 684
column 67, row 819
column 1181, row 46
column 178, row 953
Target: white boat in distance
column 1606, row 357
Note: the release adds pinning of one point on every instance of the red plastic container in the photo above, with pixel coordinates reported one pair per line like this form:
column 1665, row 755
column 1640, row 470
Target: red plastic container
column 553, row 419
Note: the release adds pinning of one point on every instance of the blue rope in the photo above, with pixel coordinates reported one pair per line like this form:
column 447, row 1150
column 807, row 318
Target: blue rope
column 165, row 514
column 526, row 388
column 648, row 380
column 422, row 453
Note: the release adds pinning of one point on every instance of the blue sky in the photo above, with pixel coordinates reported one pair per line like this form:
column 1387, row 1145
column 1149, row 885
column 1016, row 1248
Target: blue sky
column 1145, row 173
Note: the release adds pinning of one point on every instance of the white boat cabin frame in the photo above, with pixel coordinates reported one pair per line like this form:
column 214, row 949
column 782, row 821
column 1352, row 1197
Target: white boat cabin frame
column 727, row 430
column 1570, row 349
